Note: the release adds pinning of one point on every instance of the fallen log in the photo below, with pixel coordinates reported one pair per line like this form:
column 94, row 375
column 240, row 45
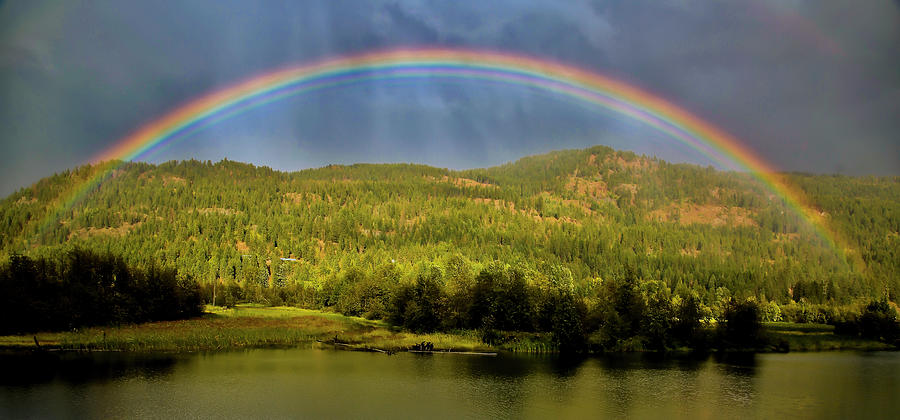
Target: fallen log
column 473, row 353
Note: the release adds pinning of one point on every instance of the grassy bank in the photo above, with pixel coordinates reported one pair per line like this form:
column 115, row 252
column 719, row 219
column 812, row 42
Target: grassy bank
column 250, row 326
column 815, row 337
column 245, row 326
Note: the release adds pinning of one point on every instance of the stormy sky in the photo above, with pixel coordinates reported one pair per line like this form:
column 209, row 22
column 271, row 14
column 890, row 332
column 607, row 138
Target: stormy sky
column 809, row 85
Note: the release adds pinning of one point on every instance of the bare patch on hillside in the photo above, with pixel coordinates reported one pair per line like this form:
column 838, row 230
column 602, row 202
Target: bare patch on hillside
column 532, row 213
column 25, row 200
column 467, row 183
column 638, row 163
column 498, row 204
column 785, row 237
column 304, row 198
column 415, row 220
column 320, row 248
column 295, row 198
column 688, row 214
column 375, row 232
column 631, row 189
column 462, row 182
column 173, row 180
column 219, row 210
column 119, row 231
column 588, row 188
column 584, row 206
column 689, row 252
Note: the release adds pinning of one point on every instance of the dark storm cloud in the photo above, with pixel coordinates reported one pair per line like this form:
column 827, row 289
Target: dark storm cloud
column 809, row 85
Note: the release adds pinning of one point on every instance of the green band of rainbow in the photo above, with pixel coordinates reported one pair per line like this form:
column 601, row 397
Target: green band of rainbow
column 544, row 75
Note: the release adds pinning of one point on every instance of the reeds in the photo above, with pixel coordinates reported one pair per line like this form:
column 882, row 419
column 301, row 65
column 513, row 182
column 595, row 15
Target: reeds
column 248, row 326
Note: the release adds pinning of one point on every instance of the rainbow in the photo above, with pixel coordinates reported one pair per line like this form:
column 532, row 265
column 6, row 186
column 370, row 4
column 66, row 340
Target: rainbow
column 541, row 74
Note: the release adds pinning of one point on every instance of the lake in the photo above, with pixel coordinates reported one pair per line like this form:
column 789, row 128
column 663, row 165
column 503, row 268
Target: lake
column 283, row 383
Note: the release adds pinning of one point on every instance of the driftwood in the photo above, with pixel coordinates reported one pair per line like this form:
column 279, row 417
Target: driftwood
column 474, row 353
column 417, row 348
column 354, row 348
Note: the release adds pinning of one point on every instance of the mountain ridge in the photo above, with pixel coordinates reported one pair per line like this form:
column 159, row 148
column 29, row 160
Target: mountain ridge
column 597, row 212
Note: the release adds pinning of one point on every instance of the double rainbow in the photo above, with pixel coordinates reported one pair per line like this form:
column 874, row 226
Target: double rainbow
column 544, row 75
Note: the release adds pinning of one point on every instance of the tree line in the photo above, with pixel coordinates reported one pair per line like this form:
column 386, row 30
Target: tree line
column 83, row 288
column 253, row 234
column 500, row 300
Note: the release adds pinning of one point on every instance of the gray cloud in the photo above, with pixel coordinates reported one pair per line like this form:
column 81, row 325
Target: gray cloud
column 810, row 85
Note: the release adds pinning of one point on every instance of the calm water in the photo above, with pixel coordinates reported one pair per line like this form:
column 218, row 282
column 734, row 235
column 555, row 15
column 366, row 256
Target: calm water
column 323, row 383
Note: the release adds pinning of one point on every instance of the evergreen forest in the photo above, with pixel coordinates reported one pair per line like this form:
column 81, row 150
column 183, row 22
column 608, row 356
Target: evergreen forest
column 574, row 242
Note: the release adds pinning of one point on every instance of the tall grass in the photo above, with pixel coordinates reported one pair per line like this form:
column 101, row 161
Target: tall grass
column 247, row 326
column 815, row 337
column 250, row 326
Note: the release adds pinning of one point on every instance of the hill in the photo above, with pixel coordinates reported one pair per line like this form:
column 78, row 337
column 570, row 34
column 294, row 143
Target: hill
column 594, row 215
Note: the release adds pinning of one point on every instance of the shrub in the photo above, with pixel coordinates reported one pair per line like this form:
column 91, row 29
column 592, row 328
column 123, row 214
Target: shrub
column 741, row 327
column 85, row 289
column 879, row 322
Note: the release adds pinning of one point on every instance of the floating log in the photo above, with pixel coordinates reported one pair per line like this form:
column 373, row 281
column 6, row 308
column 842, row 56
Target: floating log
column 334, row 343
column 473, row 353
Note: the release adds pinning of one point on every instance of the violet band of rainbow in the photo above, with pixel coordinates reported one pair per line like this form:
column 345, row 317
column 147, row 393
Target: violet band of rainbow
column 545, row 75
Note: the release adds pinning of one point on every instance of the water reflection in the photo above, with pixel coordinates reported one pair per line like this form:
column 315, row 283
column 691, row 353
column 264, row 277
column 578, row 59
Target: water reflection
column 23, row 369
column 315, row 383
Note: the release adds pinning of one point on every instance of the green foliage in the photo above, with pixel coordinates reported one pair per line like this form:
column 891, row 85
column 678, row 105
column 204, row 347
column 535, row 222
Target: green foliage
column 502, row 299
column 687, row 325
column 624, row 249
column 592, row 211
column 85, row 289
column 659, row 319
column 771, row 312
column 563, row 315
column 621, row 310
column 420, row 306
column 742, row 326
column 879, row 322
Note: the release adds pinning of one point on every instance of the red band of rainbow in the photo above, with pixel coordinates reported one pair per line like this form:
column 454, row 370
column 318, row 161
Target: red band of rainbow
column 546, row 75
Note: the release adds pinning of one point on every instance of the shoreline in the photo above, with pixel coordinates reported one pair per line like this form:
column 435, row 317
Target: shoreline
column 243, row 327
column 251, row 326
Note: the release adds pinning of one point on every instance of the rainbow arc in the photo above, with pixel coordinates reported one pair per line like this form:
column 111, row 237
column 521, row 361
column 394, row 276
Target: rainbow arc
column 587, row 87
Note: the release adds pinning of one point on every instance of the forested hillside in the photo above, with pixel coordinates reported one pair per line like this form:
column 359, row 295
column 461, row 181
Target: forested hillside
column 571, row 219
